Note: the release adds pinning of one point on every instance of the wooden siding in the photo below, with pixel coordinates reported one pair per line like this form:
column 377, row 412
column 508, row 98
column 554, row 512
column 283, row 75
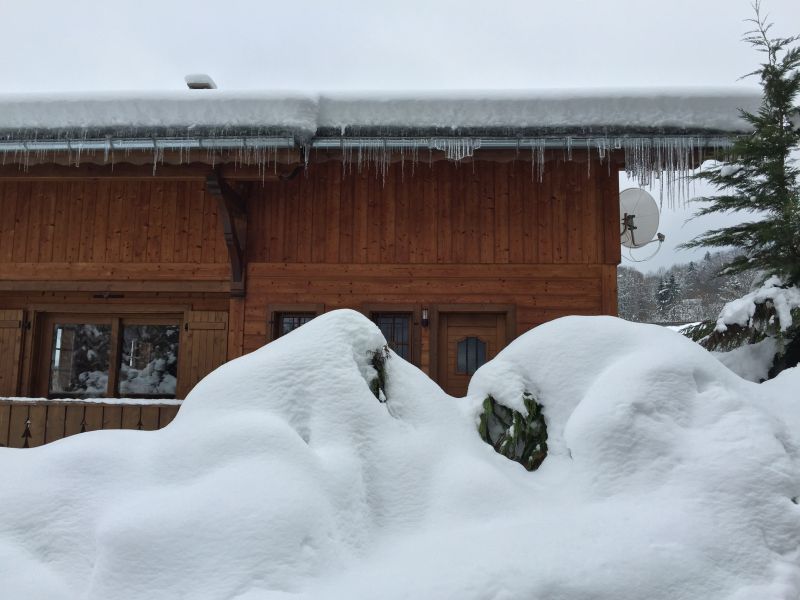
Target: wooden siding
column 539, row 292
column 110, row 222
column 203, row 347
column 52, row 420
column 197, row 358
column 11, row 322
column 444, row 213
column 441, row 233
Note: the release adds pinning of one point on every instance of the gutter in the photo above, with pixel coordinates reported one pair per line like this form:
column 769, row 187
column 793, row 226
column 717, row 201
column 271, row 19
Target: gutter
column 355, row 143
column 155, row 143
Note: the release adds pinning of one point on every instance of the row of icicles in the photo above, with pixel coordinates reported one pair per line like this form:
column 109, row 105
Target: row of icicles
column 670, row 160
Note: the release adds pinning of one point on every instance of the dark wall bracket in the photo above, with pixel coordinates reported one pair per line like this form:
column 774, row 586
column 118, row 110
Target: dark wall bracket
column 233, row 213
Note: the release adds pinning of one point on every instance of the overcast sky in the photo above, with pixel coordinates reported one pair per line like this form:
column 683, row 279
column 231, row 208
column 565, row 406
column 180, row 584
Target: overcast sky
column 79, row 45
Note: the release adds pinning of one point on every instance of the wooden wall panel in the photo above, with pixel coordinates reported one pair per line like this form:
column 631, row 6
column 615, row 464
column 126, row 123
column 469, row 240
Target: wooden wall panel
column 479, row 212
column 52, row 420
column 540, row 293
column 10, row 350
column 204, row 346
column 103, row 221
column 437, row 233
column 5, row 423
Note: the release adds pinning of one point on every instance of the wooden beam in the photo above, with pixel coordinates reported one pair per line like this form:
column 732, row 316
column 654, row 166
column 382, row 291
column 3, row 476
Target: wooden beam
column 112, row 272
column 233, row 213
column 112, row 287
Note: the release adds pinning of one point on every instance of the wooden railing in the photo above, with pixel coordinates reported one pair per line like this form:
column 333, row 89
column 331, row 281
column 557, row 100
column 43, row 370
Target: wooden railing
column 31, row 422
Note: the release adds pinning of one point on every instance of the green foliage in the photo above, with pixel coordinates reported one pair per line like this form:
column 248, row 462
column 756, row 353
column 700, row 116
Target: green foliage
column 521, row 438
column 377, row 384
column 762, row 177
column 699, row 331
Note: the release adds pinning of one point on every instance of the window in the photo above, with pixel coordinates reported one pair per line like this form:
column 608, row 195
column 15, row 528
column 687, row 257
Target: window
column 286, row 322
column 395, row 328
column 148, row 360
column 80, row 359
column 108, row 356
column 471, row 354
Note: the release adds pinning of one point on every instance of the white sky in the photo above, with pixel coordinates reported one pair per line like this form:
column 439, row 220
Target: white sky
column 80, row 45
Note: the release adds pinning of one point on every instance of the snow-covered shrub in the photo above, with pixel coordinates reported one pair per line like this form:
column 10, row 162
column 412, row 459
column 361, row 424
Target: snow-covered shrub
column 771, row 312
column 519, row 436
column 377, row 384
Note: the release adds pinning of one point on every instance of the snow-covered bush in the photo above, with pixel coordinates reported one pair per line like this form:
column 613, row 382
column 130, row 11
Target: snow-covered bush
column 520, row 436
column 765, row 320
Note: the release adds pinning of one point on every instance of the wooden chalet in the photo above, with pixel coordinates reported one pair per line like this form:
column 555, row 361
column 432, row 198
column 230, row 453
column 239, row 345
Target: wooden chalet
column 146, row 240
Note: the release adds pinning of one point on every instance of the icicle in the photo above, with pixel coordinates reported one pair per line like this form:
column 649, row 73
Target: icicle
column 456, row 148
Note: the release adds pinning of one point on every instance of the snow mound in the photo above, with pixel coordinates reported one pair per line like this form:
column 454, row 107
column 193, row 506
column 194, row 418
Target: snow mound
column 751, row 361
column 283, row 476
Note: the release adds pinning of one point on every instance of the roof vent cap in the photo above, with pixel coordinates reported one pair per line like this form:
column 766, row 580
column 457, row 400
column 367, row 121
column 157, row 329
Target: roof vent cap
column 200, row 81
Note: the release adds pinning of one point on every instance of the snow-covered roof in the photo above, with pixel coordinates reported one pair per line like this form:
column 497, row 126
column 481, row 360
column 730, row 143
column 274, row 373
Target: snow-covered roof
column 658, row 130
column 303, row 116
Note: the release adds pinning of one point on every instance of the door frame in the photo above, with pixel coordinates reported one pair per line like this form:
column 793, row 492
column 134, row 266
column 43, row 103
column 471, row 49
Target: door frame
column 509, row 310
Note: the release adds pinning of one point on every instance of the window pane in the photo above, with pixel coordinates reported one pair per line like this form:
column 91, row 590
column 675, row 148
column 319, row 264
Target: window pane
column 461, row 357
column 395, row 328
column 149, row 360
column 470, row 355
column 290, row 321
column 80, row 357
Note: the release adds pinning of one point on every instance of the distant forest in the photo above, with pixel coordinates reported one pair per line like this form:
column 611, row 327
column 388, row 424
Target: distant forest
column 683, row 293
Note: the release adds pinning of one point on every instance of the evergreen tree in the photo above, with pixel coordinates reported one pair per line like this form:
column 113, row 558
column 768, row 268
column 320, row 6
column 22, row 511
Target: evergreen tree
column 762, row 176
column 691, row 277
column 663, row 299
column 697, row 294
column 673, row 289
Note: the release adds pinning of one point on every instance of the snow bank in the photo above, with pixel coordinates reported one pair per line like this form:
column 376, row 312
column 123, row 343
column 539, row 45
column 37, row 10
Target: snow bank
column 284, row 477
column 751, row 361
column 703, row 109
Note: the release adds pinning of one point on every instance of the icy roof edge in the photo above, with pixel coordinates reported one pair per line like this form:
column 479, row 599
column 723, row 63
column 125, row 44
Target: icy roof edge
column 215, row 113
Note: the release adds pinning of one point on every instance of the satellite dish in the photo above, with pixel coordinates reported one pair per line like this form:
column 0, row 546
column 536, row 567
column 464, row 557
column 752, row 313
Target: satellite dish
column 638, row 213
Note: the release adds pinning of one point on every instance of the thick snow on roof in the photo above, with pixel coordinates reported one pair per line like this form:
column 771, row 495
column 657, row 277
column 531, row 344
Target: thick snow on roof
column 283, row 476
column 690, row 109
column 206, row 109
column 591, row 110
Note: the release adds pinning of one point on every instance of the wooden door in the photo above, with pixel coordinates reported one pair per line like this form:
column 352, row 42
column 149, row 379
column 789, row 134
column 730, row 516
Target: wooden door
column 465, row 342
column 11, row 322
column 204, row 347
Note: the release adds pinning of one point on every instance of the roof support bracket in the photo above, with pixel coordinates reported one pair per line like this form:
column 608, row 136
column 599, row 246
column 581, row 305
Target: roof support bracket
column 233, row 214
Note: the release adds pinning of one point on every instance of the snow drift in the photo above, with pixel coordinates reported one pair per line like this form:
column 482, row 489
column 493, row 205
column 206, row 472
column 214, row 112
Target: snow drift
column 283, row 476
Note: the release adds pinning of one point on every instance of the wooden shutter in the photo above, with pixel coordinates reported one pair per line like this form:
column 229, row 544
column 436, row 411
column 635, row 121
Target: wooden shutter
column 203, row 347
column 11, row 323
